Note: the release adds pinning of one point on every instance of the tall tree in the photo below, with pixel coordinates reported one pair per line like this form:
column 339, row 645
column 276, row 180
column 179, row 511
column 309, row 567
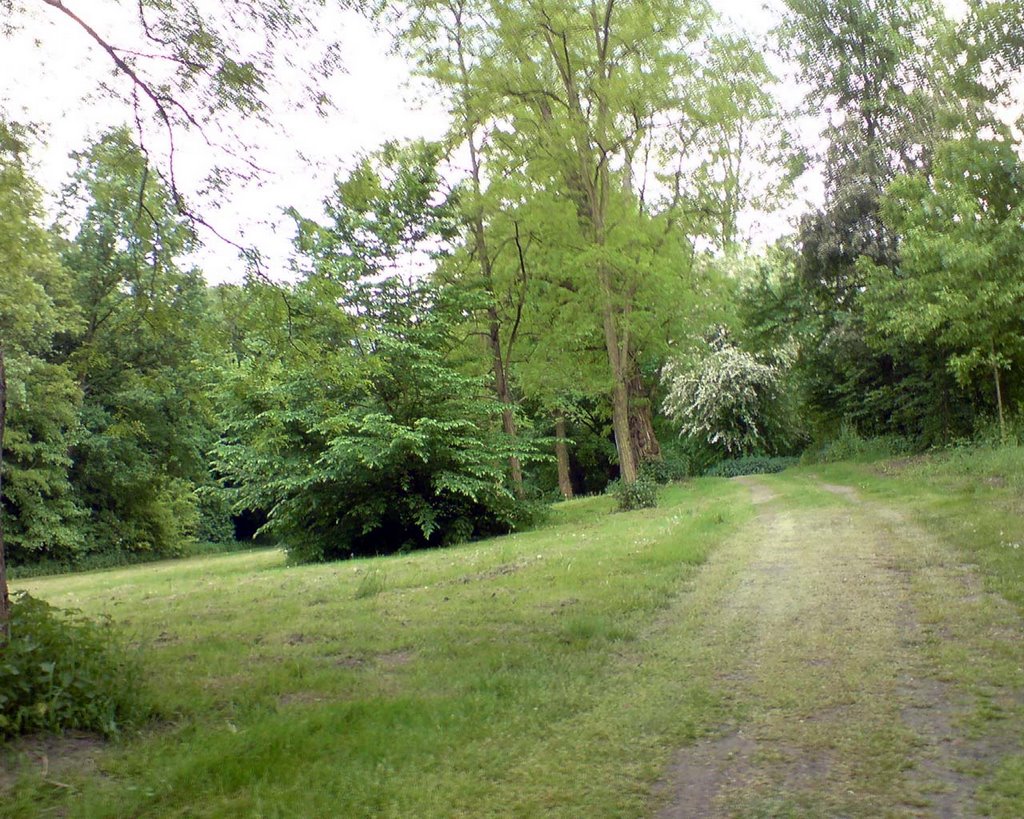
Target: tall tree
column 43, row 400
column 447, row 39
column 601, row 109
column 146, row 421
column 960, row 280
column 882, row 69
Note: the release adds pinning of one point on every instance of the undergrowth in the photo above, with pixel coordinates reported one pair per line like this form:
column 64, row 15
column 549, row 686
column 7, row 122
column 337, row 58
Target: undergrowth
column 750, row 465
column 102, row 561
column 63, row 671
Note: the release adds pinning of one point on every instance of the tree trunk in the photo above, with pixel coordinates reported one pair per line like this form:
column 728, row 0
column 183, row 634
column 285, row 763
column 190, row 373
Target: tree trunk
column 620, row 399
column 5, row 600
column 641, row 422
column 999, row 401
column 501, row 389
column 562, row 456
column 476, row 219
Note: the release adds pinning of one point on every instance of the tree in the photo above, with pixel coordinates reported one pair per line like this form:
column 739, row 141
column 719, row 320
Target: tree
column 182, row 66
column 582, row 111
column 888, row 74
column 42, row 398
column 378, row 442
column 960, row 280
column 5, row 600
column 146, row 423
column 730, row 399
column 445, row 38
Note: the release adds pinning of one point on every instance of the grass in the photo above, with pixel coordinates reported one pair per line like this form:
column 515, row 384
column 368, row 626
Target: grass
column 475, row 680
column 973, row 497
column 558, row 672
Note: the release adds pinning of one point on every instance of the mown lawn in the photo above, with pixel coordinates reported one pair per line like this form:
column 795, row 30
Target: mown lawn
column 973, row 498
column 555, row 672
column 531, row 674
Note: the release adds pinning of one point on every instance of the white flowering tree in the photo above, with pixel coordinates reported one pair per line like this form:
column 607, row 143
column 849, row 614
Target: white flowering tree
column 729, row 398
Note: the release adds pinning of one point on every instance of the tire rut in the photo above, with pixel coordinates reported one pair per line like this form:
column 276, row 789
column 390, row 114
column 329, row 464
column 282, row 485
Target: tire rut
column 830, row 616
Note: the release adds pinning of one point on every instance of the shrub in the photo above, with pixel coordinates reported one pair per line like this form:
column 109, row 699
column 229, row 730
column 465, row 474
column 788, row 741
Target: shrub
column 376, row 445
column 737, row 402
column 672, row 467
column 641, row 494
column 62, row 671
column 849, row 445
column 751, row 465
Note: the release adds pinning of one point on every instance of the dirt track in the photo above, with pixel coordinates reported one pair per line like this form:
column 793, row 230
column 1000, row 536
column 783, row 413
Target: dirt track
column 853, row 647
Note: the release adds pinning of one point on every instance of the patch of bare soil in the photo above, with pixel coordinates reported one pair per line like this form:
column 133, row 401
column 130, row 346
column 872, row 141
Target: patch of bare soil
column 759, row 493
column 51, row 757
column 395, row 659
column 696, row 778
column 831, row 623
column 847, row 492
column 502, row 570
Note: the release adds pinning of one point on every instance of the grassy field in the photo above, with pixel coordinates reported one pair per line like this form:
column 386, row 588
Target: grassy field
column 555, row 672
column 430, row 684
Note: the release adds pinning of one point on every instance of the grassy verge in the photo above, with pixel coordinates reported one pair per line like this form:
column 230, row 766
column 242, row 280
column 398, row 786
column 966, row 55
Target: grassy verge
column 539, row 673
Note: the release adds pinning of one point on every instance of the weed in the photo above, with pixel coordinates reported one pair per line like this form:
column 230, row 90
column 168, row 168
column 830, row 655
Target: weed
column 372, row 583
column 62, row 671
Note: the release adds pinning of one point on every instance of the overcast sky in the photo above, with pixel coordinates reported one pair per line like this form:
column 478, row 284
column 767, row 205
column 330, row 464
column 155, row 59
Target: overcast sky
column 50, row 70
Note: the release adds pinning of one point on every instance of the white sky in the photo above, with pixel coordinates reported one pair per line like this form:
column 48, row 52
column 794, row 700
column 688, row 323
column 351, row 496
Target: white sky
column 49, row 71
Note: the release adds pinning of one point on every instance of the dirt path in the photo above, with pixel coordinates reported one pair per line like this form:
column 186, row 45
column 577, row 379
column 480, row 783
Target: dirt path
column 853, row 648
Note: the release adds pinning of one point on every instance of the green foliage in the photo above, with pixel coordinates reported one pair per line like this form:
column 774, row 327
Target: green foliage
column 751, row 465
column 902, row 80
column 641, row 494
column 64, row 671
column 672, row 467
column 114, row 559
column 214, row 506
column 376, row 446
column 42, row 514
column 109, row 419
column 849, row 445
column 730, row 398
column 359, row 435
column 146, row 421
column 958, row 284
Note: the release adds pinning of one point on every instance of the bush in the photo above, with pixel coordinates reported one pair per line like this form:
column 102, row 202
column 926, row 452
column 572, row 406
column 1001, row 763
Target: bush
column 672, row 467
column 375, row 445
column 641, row 494
column 735, row 401
column 751, row 465
column 849, row 445
column 62, row 671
